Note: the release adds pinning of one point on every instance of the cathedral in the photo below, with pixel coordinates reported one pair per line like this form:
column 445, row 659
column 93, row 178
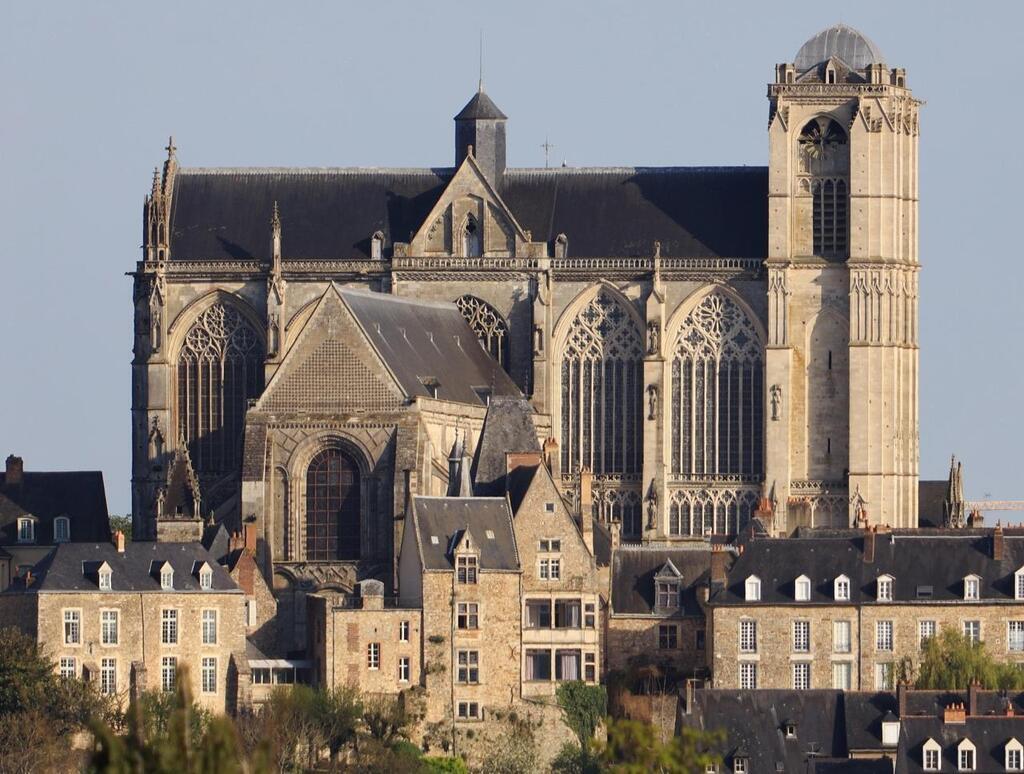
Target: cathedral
column 321, row 345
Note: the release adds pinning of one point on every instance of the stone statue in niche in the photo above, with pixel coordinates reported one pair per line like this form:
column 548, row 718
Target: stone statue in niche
column 273, row 335
column 653, row 338
column 776, row 398
column 652, row 506
column 538, row 340
column 652, row 401
column 156, row 440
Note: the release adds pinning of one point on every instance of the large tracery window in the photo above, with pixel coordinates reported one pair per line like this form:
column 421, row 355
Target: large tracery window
column 220, row 367
column 717, row 394
column 601, row 390
column 488, row 325
column 332, row 507
column 825, row 159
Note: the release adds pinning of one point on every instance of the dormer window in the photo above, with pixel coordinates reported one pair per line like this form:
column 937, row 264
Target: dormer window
column 26, row 530
column 167, row 577
column 466, row 569
column 890, row 730
column 789, row 729
column 966, row 756
column 1013, row 755
column 105, row 576
column 830, row 73
column 841, row 589
column 931, row 755
column 205, row 577
column 972, row 588
column 740, row 764
column 752, row 589
column 803, row 589
column 667, row 595
column 61, row 529
column 884, row 588
column 1018, row 584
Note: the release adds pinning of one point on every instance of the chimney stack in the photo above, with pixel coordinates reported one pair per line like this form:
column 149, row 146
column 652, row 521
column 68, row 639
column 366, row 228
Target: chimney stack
column 997, row 542
column 119, row 541
column 587, row 507
column 975, row 520
column 15, row 471
column 765, row 513
column 901, row 698
column 551, row 456
column 249, row 535
column 972, row 699
column 869, row 545
column 954, row 713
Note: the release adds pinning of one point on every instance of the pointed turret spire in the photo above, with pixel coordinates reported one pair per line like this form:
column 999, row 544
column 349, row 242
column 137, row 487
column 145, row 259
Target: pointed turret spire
column 480, row 125
column 953, row 506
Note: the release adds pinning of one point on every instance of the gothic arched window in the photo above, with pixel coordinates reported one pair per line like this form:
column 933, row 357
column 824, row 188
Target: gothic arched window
column 220, row 367
column 471, row 241
column 488, row 325
column 332, row 507
column 601, row 389
column 825, row 157
column 717, row 394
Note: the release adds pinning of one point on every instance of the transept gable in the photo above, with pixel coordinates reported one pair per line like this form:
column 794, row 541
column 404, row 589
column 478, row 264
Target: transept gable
column 470, row 219
column 331, row 367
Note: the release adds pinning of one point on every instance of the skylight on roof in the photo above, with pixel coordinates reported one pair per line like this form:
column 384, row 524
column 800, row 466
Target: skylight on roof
column 490, row 534
column 434, row 540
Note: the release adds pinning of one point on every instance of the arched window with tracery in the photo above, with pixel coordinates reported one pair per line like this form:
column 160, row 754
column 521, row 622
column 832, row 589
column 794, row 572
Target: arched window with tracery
column 471, row 238
column 220, row 367
column 717, row 393
column 489, row 326
column 825, row 160
column 601, row 378
column 332, row 507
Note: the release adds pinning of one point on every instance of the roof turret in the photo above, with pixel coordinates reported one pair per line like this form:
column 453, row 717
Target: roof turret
column 854, row 48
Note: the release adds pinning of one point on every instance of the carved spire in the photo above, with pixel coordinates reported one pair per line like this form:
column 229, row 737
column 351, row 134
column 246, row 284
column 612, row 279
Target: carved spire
column 953, row 506
column 275, row 236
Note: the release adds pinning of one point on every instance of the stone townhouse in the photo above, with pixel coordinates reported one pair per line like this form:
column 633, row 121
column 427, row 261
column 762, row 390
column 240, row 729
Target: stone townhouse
column 39, row 510
column 130, row 617
column 844, row 608
column 861, row 732
column 560, row 587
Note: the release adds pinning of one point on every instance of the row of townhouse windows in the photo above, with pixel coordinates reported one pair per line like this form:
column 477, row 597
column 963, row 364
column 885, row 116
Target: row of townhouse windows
column 560, row 614
column 565, row 664
column 884, row 635
column 668, row 637
column 69, row 667
column 110, row 627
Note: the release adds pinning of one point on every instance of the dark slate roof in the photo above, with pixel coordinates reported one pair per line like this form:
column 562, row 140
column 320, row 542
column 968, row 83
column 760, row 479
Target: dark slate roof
column 427, row 339
column 74, row 566
column 217, row 541
column 915, row 558
column 446, row 519
column 753, row 721
column 864, row 713
column 692, row 211
column 989, row 735
column 480, row 107
column 224, row 214
column 632, row 576
column 78, row 495
column 851, row 766
column 851, row 46
column 519, row 481
column 508, row 427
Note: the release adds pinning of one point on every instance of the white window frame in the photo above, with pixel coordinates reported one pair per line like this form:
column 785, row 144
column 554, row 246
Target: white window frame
column 752, row 589
column 884, row 588
column 373, row 656
column 885, row 636
column 801, row 675
column 801, row 636
column 1018, row 584
column 68, row 667
column 841, row 589
column 884, row 676
column 72, row 618
column 748, row 635
column 66, row 523
column 209, row 618
column 923, row 636
column 167, row 578
column 748, row 675
column 209, row 674
column 845, row 668
column 26, row 529
column 403, row 631
column 170, row 633
column 467, row 569
column 108, row 676
column 206, row 579
column 973, row 624
column 168, row 673
column 802, row 589
column 972, row 588
column 931, row 746
column 110, row 618
column 106, row 580
column 1016, row 749
column 842, row 632
column 404, row 669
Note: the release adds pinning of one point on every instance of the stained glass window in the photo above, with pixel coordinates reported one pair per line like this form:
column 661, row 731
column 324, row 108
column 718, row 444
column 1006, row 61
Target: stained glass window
column 220, row 367
column 332, row 507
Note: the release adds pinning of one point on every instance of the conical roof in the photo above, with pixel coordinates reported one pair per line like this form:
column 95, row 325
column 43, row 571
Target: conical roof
column 840, row 41
column 480, row 107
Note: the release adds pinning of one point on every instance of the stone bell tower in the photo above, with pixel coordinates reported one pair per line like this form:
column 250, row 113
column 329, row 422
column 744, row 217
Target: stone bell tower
column 842, row 359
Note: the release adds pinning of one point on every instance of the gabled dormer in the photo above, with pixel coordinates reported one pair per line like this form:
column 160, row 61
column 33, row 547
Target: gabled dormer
column 1018, row 584
column 931, row 755
column 105, row 577
column 667, row 586
column 164, row 573
column 885, row 588
column 841, row 588
column 752, row 589
column 203, row 573
column 1013, row 755
column 802, row 589
column 966, row 756
column 972, row 588
column 466, row 555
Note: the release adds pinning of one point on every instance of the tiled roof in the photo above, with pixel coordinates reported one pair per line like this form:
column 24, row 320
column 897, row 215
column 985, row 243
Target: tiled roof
column 441, row 522
column 632, row 576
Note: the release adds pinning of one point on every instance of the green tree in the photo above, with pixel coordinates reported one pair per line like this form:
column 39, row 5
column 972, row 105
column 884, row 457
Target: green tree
column 582, row 706
column 385, row 718
column 634, row 747
column 951, row 662
column 122, row 524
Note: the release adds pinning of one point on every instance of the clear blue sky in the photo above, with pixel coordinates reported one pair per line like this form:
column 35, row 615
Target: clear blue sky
column 89, row 93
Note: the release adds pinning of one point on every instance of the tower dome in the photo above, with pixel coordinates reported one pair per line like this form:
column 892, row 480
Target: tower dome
column 845, row 43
